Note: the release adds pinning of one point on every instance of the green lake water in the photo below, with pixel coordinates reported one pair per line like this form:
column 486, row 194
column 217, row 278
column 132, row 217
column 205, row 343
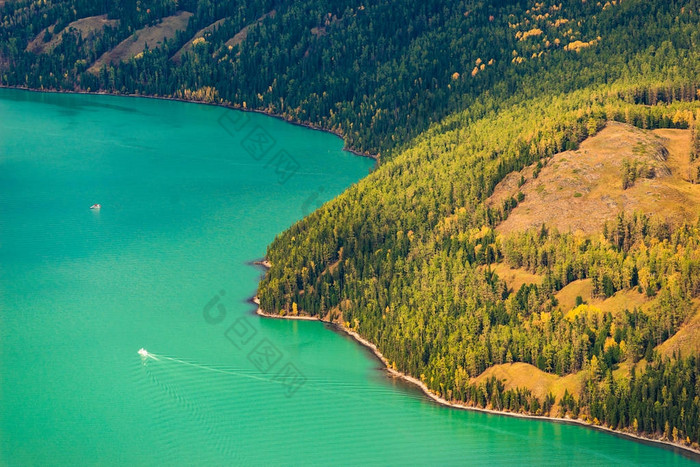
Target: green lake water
column 190, row 195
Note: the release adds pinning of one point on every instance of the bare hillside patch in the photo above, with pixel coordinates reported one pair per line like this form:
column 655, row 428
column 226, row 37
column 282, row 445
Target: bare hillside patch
column 201, row 34
column 581, row 190
column 88, row 28
column 566, row 297
column 540, row 383
column 515, row 278
column 622, row 300
column 678, row 143
column 241, row 35
column 687, row 339
column 136, row 43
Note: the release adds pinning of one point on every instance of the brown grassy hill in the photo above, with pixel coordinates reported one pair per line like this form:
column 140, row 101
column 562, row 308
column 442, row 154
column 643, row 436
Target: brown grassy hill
column 524, row 375
column 241, row 35
column 515, row 278
column 580, row 190
column 623, row 299
column 202, row 33
column 687, row 339
column 136, row 43
column 87, row 27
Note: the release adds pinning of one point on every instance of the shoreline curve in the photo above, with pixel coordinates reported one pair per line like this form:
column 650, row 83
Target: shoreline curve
column 685, row 451
column 223, row 105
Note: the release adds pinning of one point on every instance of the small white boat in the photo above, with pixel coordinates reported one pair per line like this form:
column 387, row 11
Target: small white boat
column 95, row 206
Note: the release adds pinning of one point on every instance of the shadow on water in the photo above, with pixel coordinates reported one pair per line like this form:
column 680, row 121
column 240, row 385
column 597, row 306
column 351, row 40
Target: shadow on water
column 67, row 102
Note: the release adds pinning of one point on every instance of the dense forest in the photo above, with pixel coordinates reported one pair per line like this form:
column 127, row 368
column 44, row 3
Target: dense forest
column 453, row 96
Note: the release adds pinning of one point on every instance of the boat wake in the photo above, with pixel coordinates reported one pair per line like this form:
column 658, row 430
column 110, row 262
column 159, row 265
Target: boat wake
column 195, row 400
column 146, row 356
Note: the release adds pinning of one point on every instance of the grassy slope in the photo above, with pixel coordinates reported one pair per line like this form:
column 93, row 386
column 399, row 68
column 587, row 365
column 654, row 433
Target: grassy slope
column 87, row 27
column 581, row 190
column 202, row 33
column 523, row 375
column 516, row 277
column 241, row 35
column 152, row 36
column 624, row 299
column 687, row 339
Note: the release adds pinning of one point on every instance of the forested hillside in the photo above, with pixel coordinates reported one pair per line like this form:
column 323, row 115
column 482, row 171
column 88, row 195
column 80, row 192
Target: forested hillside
column 379, row 74
column 455, row 96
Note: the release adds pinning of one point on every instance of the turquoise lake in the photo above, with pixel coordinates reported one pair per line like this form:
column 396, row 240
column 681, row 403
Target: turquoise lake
column 190, row 195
